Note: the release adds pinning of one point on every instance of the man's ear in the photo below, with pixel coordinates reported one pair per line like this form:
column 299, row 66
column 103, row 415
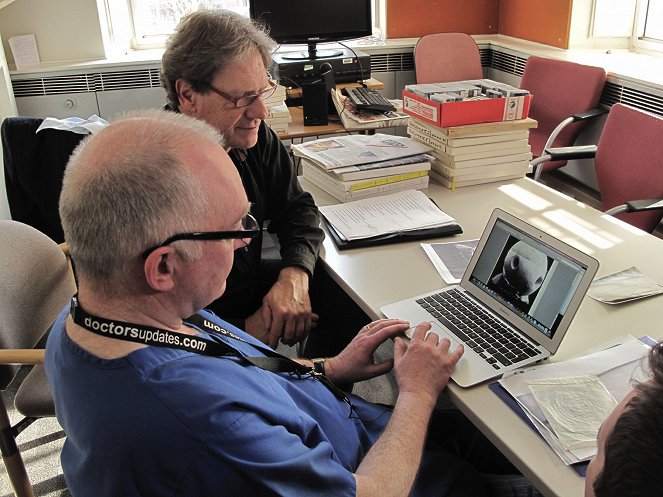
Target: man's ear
column 159, row 269
column 188, row 98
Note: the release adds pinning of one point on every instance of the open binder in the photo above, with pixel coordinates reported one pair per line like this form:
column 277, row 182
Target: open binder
column 402, row 236
column 399, row 217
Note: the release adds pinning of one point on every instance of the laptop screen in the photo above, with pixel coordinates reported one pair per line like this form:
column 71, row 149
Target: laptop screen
column 529, row 277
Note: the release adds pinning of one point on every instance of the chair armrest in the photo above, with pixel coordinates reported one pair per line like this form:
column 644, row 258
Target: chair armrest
column 644, row 205
column 21, row 356
column 568, row 153
column 582, row 116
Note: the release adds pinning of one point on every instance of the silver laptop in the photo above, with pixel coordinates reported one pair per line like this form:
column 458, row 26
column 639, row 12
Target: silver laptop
column 514, row 304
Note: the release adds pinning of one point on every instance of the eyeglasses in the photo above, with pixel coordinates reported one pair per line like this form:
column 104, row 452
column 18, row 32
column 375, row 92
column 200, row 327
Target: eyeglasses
column 250, row 230
column 247, row 100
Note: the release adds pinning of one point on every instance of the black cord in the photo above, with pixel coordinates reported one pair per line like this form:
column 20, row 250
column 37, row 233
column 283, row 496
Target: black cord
column 361, row 68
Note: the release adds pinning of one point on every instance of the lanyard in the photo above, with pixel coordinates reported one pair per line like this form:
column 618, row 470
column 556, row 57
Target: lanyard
column 212, row 345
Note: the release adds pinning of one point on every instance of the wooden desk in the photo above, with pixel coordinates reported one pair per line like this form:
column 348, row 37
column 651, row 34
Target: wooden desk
column 380, row 275
column 296, row 128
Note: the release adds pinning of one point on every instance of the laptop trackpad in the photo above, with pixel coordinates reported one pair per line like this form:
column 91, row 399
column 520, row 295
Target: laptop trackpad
column 468, row 371
column 442, row 332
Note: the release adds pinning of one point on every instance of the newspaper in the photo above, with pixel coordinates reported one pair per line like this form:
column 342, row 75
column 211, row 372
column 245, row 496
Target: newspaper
column 354, row 119
column 342, row 151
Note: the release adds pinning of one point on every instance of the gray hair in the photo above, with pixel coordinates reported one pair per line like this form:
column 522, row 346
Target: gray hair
column 207, row 41
column 126, row 189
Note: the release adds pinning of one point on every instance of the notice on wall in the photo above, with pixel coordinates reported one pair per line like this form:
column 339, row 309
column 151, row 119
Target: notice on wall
column 24, row 49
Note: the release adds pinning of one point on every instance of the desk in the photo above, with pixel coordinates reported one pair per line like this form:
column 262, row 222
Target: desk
column 380, row 275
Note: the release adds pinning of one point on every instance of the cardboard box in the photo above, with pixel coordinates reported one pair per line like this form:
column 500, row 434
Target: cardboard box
column 448, row 114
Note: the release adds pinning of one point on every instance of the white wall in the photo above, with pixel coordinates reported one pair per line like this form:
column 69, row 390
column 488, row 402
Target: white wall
column 66, row 30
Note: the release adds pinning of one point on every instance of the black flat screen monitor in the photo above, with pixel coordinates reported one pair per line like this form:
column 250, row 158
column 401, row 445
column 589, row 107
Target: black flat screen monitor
column 313, row 21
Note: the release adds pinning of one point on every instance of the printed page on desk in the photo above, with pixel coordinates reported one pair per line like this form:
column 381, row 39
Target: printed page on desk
column 410, row 210
column 617, row 367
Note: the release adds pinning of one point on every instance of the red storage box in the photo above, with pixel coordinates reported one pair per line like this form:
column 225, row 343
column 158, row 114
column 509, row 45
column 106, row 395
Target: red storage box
column 449, row 114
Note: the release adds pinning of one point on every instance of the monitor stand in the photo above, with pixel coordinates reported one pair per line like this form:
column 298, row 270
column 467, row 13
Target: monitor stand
column 312, row 54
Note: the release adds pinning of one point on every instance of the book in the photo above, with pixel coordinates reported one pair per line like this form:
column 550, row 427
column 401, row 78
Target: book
column 482, row 128
column 421, row 162
column 500, row 159
column 350, row 150
column 452, row 184
column 309, row 169
column 436, row 133
column 279, row 120
column 391, row 218
column 343, row 195
column 453, row 159
column 490, row 171
column 470, row 149
column 280, row 110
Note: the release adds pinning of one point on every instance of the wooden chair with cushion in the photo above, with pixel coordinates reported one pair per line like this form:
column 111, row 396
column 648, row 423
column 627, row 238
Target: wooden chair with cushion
column 37, row 282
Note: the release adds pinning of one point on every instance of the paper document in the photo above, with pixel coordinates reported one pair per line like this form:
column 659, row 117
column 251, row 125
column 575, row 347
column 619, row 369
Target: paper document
column 331, row 153
column 451, row 258
column 404, row 211
column 575, row 407
column 623, row 286
column 616, row 367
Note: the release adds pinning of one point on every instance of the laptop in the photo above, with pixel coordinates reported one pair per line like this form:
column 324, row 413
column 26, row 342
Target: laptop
column 514, row 303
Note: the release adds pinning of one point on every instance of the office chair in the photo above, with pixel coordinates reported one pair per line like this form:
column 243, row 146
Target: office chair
column 629, row 165
column 565, row 95
column 444, row 57
column 37, row 282
column 34, row 165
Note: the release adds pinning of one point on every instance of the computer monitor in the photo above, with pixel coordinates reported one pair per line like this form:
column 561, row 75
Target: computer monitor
column 313, row 21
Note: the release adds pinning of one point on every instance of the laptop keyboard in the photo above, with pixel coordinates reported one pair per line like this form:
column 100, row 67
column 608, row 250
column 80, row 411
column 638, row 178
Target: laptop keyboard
column 498, row 345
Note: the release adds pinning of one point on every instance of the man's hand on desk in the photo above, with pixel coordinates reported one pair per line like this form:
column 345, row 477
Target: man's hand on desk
column 286, row 312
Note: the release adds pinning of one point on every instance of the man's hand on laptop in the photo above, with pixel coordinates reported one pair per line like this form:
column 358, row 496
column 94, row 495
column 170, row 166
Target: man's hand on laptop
column 423, row 367
column 356, row 361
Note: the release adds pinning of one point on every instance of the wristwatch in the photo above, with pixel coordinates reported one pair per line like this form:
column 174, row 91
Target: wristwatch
column 319, row 365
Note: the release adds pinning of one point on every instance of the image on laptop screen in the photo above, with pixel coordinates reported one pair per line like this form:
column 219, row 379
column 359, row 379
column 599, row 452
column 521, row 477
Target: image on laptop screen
column 529, row 277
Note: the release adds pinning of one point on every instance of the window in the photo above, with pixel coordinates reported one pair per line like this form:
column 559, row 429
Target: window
column 648, row 32
column 154, row 20
column 139, row 24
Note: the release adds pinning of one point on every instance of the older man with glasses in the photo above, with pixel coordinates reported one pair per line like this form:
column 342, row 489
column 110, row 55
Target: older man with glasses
column 159, row 398
column 215, row 69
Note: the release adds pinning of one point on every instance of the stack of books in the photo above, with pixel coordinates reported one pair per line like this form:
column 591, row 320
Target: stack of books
column 354, row 167
column 279, row 115
column 476, row 153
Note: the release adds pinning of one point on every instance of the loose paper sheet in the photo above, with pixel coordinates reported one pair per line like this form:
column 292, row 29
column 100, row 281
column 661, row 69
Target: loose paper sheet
column 623, row 286
column 575, row 407
column 24, row 50
column 451, row 258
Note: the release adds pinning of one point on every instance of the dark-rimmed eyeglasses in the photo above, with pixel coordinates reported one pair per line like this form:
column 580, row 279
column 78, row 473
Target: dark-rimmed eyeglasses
column 250, row 230
column 246, row 100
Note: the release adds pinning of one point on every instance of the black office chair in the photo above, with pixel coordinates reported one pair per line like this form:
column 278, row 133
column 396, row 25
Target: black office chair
column 34, row 166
